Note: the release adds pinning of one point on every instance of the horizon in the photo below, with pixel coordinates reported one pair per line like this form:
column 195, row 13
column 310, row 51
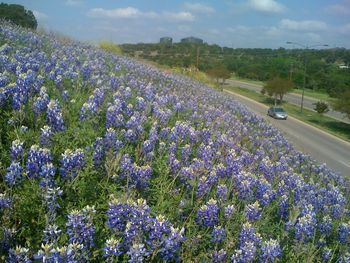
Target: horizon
column 232, row 24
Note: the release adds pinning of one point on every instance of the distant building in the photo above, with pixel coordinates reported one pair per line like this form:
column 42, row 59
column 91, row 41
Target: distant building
column 194, row 40
column 166, row 40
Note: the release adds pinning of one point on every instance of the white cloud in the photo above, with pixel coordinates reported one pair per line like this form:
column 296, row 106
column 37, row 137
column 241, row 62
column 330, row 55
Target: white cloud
column 266, row 6
column 199, row 8
column 131, row 12
column 341, row 8
column 345, row 29
column 306, row 25
column 74, row 2
column 39, row 15
column 128, row 12
column 180, row 16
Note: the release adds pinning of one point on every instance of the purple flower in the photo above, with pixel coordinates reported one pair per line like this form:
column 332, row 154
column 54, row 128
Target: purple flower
column 219, row 256
column 172, row 244
column 71, row 163
column 51, row 234
column 248, row 234
column 54, row 116
column 137, row 253
column 305, row 227
column 253, row 211
column 270, row 250
column 283, row 207
column 47, row 175
column 208, row 215
column 14, row 174
column 45, row 135
column 17, row 150
column 99, row 151
column 37, row 157
column 218, row 235
column 5, row 202
column 112, row 249
column 221, row 192
column 326, row 226
column 344, row 233
column 20, row 254
column 80, row 228
column 228, row 211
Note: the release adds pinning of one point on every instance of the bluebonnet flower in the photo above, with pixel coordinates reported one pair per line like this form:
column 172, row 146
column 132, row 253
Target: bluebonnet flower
column 283, row 207
column 140, row 104
column 54, row 116
column 5, row 201
column 222, row 192
column 114, row 117
column 45, row 135
column 137, row 253
column 17, row 150
column 65, row 95
column 7, row 239
column 305, row 227
column 147, row 146
column 14, row 174
column 253, row 211
column 344, row 258
column 111, row 141
column 228, row 211
column 80, row 228
column 270, row 250
column 40, row 104
column 112, row 249
column 140, row 176
column 130, row 136
column 51, row 234
column 47, row 175
column 19, row 254
column 50, row 196
column 218, row 235
column 245, row 185
column 71, row 163
column 99, row 151
column 206, row 183
column 208, row 215
column 118, row 215
column 47, row 254
column 326, row 226
column 326, row 254
column 172, row 244
column 344, row 233
column 219, row 256
column 37, row 157
column 248, row 234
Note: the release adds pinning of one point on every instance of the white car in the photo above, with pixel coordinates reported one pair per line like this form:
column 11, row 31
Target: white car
column 277, row 113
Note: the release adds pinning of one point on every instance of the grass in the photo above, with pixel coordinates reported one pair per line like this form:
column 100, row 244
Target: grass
column 315, row 94
column 327, row 124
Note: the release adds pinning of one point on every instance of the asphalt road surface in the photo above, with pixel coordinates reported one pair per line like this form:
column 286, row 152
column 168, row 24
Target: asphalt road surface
column 321, row 146
column 291, row 98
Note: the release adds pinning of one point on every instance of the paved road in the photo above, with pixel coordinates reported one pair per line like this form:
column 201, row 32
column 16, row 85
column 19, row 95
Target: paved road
column 291, row 98
column 321, row 146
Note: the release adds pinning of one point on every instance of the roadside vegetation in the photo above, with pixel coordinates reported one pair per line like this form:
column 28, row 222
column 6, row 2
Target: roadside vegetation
column 333, row 126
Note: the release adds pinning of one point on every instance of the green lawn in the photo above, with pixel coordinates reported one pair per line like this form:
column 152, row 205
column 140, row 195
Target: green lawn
column 330, row 125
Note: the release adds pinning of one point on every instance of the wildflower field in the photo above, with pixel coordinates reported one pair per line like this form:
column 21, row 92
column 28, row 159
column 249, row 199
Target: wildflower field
column 104, row 159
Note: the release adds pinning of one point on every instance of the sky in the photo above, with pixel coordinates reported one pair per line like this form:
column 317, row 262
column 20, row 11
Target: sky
column 229, row 23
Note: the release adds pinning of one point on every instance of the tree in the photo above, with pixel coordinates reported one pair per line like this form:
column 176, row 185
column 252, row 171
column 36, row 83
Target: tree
column 321, row 107
column 277, row 87
column 218, row 73
column 18, row 15
column 342, row 104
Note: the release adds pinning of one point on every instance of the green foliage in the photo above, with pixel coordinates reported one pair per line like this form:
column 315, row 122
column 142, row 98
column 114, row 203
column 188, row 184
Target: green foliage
column 110, row 47
column 277, row 87
column 342, row 104
column 18, row 15
column 322, row 74
column 321, row 107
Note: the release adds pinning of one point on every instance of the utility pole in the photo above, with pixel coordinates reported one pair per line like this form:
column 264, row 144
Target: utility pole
column 306, row 47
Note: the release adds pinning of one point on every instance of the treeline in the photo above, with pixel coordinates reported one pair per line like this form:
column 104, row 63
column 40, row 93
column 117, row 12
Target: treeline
column 323, row 71
column 18, row 15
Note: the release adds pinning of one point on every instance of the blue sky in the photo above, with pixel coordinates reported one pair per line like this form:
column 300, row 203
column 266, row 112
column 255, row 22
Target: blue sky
column 231, row 23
